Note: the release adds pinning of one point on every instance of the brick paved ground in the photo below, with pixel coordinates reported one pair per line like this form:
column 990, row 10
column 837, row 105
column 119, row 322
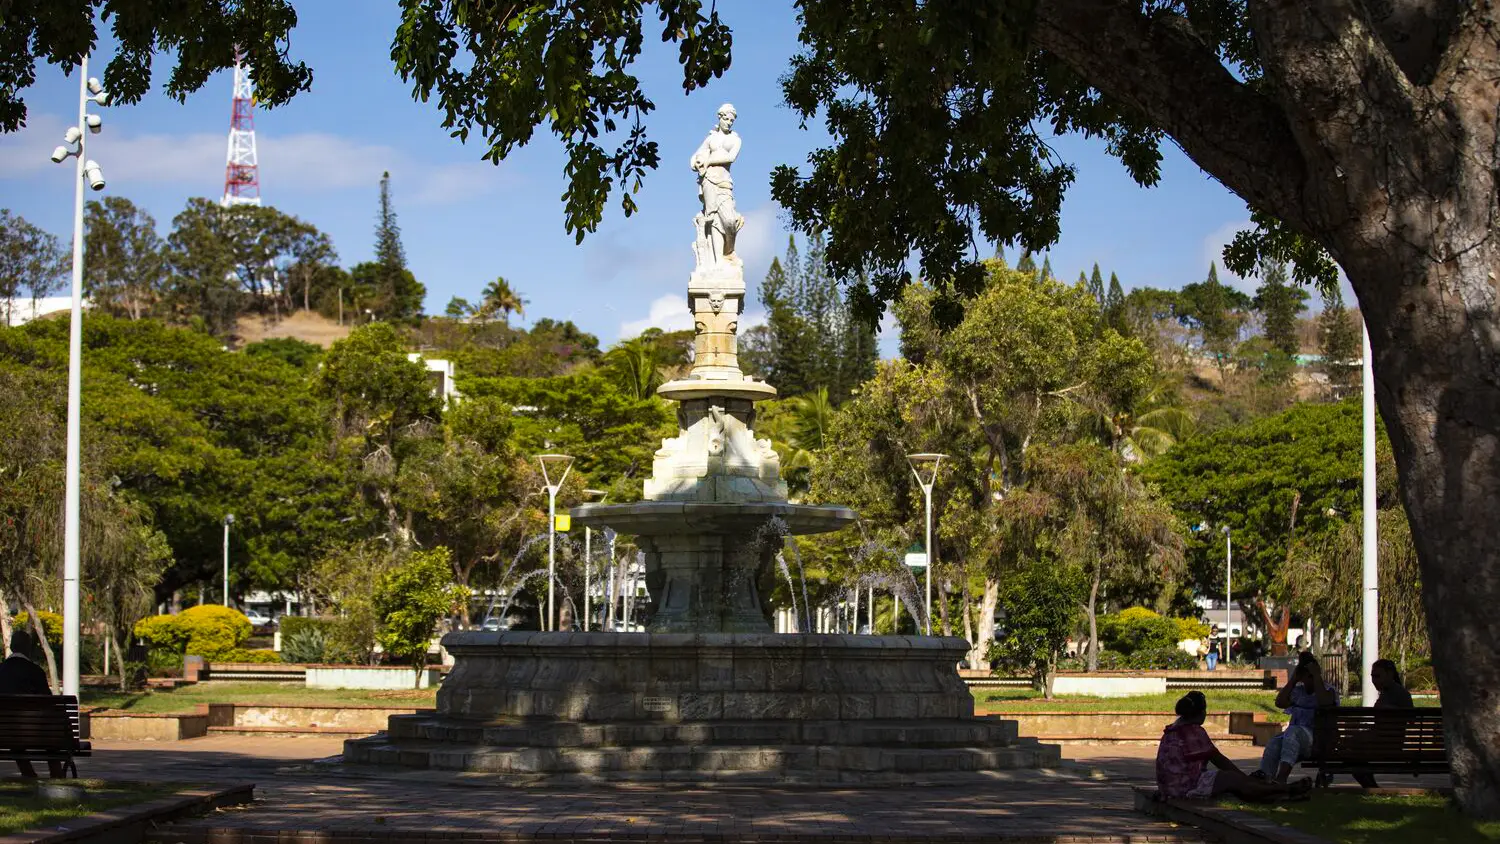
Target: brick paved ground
column 1088, row 801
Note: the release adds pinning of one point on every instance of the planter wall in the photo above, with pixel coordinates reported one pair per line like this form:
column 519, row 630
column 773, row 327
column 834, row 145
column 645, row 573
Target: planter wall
column 109, row 725
column 368, row 677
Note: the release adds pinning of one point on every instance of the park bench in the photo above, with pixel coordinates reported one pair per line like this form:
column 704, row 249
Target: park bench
column 1349, row 739
column 41, row 728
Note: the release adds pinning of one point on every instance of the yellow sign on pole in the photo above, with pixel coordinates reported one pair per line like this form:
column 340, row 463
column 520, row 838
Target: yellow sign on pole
column 563, row 522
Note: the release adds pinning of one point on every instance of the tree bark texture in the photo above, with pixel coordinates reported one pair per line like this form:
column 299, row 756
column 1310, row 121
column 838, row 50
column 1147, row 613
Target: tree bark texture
column 1374, row 133
column 979, row 653
column 40, row 631
column 1092, row 609
column 5, row 626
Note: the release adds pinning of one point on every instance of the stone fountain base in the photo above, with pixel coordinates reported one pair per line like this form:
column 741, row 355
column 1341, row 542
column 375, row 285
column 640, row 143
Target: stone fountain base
column 713, row 706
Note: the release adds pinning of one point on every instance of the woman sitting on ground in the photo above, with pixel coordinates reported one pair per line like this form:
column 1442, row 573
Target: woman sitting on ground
column 1185, row 752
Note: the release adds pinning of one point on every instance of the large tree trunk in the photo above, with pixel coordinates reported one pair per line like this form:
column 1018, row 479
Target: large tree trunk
column 1092, row 609
column 37, row 628
column 1436, row 367
column 5, row 626
column 979, row 652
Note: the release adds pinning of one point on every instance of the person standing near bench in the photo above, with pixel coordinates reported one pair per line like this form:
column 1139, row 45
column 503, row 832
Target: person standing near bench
column 21, row 676
column 1300, row 698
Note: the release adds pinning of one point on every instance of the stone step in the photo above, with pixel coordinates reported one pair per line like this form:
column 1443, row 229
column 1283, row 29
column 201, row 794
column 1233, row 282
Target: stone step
column 775, row 761
column 288, row 731
column 975, row 732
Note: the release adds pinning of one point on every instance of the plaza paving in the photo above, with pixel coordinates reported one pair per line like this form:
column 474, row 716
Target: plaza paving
column 1088, row 799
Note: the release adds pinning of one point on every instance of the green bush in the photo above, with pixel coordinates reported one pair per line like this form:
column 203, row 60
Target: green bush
column 207, row 630
column 292, row 625
column 52, row 625
column 306, row 644
column 1140, row 629
column 162, row 633
column 1420, row 678
column 256, row 655
column 1161, row 659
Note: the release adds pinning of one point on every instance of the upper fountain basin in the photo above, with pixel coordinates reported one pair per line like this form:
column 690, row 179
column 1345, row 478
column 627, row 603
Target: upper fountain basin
column 659, row 518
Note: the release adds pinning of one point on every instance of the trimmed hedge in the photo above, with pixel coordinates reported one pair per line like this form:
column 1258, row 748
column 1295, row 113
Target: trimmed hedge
column 263, row 656
column 207, row 630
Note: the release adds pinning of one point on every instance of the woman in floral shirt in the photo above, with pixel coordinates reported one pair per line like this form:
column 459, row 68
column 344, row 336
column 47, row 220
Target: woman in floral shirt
column 1184, row 755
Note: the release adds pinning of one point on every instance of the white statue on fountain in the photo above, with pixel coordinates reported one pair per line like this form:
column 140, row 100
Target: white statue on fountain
column 719, row 222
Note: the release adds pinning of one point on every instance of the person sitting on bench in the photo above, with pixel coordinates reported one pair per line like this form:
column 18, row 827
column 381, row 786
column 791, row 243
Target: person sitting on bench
column 21, row 676
column 1185, row 752
column 1300, row 699
column 1393, row 695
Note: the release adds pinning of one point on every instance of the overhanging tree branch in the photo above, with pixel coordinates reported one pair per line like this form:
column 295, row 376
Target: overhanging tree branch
column 1161, row 67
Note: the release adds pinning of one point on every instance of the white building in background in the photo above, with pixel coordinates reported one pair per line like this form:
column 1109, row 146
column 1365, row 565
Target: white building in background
column 24, row 309
column 441, row 374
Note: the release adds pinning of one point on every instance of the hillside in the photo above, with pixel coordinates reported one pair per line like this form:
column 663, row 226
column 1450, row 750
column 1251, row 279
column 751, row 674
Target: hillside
column 308, row 326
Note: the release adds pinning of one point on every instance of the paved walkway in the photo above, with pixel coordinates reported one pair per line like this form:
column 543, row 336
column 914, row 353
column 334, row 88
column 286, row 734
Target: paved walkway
column 1088, row 800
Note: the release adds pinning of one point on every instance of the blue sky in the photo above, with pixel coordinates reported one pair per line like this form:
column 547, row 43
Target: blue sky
column 465, row 221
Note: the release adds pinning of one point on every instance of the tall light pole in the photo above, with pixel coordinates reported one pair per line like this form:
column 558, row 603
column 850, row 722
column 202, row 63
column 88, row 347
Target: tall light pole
column 561, row 464
column 89, row 90
column 929, row 463
column 228, row 520
column 1370, row 577
column 588, row 557
column 1228, row 588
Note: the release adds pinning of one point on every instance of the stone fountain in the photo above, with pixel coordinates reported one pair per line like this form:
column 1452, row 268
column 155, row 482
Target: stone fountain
column 710, row 692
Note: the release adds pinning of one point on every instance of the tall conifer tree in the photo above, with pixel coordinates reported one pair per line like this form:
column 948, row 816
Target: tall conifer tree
column 1096, row 286
column 1279, row 303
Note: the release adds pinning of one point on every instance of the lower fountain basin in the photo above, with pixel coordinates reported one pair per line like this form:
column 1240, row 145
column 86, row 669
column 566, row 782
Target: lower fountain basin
column 819, row 709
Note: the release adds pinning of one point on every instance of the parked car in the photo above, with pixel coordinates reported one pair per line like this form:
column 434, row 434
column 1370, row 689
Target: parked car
column 257, row 618
column 494, row 624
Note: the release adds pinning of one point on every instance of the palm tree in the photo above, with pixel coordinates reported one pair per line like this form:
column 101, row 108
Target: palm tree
column 633, row 364
column 499, row 297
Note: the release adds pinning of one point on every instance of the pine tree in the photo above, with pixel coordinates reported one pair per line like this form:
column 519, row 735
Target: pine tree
column 1027, row 264
column 1083, row 279
column 398, row 295
column 388, row 251
column 1279, row 303
column 1096, row 286
column 813, row 339
column 1046, row 267
column 1114, row 306
column 1338, row 344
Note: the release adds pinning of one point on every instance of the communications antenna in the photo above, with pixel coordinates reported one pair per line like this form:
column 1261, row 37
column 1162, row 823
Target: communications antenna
column 241, row 177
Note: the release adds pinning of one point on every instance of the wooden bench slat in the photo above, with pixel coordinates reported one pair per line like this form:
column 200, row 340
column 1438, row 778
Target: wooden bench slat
column 43, row 728
column 1357, row 739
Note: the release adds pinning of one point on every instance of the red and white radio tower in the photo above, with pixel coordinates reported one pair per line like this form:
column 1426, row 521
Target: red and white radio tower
column 241, row 181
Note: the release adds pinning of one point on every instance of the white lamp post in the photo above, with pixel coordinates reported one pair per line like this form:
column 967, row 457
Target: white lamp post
column 929, row 464
column 1228, row 574
column 89, row 90
column 228, row 520
column 1370, row 576
column 560, row 464
column 588, row 557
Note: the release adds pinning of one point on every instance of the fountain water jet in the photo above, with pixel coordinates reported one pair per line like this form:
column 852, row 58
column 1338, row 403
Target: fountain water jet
column 708, row 692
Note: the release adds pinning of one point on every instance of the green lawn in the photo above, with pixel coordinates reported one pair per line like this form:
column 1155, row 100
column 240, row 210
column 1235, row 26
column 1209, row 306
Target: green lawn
column 1029, row 700
column 21, row 809
column 1365, row 819
column 185, row 698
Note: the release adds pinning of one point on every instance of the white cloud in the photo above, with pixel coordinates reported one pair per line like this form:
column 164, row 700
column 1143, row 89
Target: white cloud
column 669, row 313
column 288, row 163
